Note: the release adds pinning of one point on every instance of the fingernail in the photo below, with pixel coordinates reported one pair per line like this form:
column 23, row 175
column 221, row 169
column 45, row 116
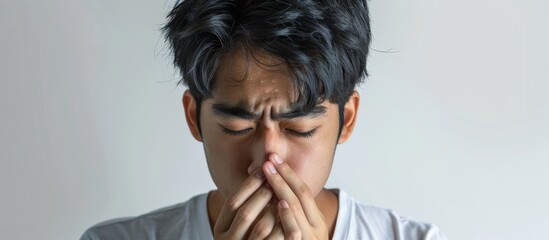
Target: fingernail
column 271, row 168
column 277, row 159
column 283, row 204
column 259, row 174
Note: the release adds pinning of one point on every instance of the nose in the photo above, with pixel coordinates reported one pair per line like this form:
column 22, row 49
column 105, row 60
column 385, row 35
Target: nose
column 266, row 142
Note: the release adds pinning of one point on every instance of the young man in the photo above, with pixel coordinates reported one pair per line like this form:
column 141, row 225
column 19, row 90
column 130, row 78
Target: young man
column 271, row 94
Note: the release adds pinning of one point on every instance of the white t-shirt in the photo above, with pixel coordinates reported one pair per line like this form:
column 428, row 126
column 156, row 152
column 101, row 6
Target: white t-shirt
column 189, row 220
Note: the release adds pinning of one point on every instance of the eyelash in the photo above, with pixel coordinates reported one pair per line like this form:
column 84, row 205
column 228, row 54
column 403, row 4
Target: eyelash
column 235, row 133
column 307, row 134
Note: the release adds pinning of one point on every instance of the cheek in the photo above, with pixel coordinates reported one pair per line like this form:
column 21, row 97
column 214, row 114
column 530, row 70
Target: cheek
column 226, row 161
column 219, row 150
column 312, row 163
column 223, row 155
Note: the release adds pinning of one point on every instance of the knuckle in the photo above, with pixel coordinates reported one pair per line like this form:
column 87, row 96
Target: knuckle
column 264, row 192
column 232, row 204
column 261, row 230
column 303, row 191
column 279, row 180
column 294, row 234
column 295, row 205
column 245, row 215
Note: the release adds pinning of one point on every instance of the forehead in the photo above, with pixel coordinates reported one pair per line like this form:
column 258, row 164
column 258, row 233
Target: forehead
column 253, row 77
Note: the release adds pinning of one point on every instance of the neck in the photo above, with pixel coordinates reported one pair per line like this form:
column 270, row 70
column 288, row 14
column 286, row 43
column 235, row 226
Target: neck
column 327, row 201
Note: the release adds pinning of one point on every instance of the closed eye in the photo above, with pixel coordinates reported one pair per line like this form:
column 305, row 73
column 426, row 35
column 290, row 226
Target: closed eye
column 235, row 132
column 242, row 132
column 302, row 134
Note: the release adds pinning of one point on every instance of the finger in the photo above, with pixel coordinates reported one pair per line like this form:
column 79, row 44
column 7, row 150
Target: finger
column 264, row 226
column 289, row 224
column 277, row 233
column 284, row 192
column 235, row 201
column 300, row 189
column 249, row 212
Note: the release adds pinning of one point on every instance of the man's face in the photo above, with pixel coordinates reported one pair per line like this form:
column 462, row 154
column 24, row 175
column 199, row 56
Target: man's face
column 250, row 116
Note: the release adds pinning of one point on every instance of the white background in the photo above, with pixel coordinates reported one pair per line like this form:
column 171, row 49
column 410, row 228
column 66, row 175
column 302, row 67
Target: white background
column 452, row 124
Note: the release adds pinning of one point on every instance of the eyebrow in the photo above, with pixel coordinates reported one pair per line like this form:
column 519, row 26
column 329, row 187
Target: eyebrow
column 239, row 111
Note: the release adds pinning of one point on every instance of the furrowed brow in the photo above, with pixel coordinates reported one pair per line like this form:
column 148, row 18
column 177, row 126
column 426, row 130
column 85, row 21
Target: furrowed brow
column 226, row 111
column 317, row 111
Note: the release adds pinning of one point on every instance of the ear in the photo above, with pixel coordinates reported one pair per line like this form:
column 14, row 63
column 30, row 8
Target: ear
column 189, row 104
column 350, row 111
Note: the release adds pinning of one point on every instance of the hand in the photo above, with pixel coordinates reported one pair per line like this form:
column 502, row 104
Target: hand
column 299, row 215
column 242, row 208
column 265, row 225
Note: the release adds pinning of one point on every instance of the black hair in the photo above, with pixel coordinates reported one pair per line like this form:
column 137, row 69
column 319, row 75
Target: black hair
column 325, row 43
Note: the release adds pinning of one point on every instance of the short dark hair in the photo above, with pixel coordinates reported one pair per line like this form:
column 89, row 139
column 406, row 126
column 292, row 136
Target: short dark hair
column 325, row 43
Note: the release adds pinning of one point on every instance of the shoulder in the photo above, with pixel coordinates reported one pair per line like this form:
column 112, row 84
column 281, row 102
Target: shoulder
column 164, row 223
column 371, row 222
